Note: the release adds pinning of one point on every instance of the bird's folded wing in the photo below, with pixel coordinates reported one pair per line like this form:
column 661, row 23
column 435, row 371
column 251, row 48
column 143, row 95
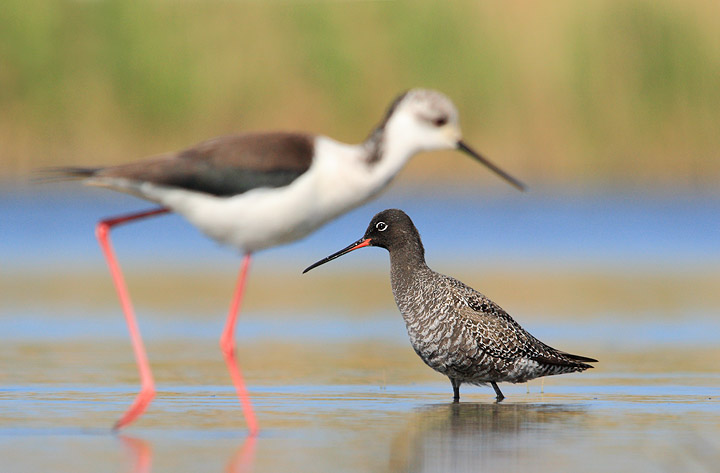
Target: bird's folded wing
column 223, row 166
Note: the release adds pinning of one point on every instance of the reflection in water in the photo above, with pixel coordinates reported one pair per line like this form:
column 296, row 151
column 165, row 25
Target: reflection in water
column 243, row 459
column 462, row 437
column 139, row 454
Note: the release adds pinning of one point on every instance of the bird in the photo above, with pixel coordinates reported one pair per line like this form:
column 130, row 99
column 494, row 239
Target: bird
column 456, row 330
column 257, row 190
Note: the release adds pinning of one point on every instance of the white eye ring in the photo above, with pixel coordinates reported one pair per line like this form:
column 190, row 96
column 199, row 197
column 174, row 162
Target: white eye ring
column 381, row 226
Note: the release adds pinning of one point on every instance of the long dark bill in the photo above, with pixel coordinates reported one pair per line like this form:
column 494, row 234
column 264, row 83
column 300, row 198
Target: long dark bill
column 358, row 244
column 514, row 182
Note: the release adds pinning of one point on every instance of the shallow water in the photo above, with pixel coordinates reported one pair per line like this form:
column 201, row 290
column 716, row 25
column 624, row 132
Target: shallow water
column 335, row 385
column 361, row 402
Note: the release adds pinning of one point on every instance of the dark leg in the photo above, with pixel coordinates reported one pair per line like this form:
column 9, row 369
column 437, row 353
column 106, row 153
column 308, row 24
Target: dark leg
column 456, row 389
column 499, row 393
column 147, row 390
column 227, row 345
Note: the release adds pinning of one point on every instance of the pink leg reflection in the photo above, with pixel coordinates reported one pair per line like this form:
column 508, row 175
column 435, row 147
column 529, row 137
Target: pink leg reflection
column 140, row 453
column 242, row 461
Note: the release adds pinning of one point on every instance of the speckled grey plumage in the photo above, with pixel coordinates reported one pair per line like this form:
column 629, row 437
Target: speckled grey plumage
column 456, row 330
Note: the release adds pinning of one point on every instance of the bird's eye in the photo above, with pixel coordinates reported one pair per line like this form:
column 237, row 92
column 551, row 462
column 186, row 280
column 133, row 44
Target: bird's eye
column 440, row 121
column 381, row 226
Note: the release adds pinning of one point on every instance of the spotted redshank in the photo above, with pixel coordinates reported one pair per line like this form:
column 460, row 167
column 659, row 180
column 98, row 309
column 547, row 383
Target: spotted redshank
column 453, row 328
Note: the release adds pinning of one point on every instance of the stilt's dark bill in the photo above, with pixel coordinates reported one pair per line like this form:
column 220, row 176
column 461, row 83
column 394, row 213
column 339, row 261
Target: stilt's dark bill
column 514, row 182
column 362, row 242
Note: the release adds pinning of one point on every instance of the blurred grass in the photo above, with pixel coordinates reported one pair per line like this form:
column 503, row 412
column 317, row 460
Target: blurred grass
column 591, row 93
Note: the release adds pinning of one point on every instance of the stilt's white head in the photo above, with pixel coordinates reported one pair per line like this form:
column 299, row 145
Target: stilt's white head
column 425, row 120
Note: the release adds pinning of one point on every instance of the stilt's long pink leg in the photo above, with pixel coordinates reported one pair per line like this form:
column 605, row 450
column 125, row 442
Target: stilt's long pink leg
column 147, row 391
column 227, row 345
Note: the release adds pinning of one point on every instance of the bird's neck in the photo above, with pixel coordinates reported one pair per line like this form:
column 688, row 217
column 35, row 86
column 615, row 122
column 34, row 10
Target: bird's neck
column 407, row 264
column 388, row 149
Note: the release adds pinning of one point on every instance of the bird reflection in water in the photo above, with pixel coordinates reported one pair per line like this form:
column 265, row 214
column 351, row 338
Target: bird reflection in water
column 463, row 437
column 139, row 453
column 244, row 458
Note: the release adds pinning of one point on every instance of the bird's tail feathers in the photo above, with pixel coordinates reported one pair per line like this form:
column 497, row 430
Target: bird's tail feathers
column 583, row 359
column 560, row 358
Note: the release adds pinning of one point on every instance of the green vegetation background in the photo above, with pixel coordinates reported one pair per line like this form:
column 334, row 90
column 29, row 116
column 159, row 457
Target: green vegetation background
column 584, row 94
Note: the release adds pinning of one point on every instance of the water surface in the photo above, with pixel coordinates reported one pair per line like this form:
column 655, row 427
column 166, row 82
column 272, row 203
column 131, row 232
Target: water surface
column 630, row 281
